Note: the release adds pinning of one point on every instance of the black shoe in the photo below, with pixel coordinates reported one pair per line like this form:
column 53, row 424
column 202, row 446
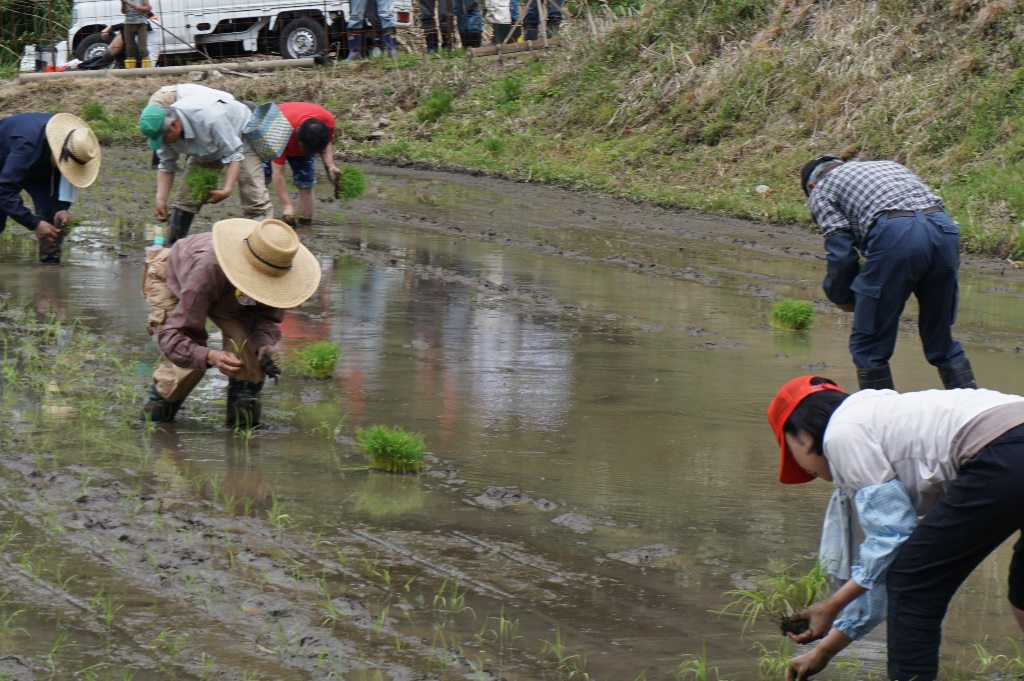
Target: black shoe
column 243, row 404
column 178, row 224
column 875, row 378
column 957, row 375
column 156, row 409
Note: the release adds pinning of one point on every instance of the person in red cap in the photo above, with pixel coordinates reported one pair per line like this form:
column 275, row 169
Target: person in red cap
column 953, row 458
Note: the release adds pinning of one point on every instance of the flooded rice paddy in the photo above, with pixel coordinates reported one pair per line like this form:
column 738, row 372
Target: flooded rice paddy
column 590, row 377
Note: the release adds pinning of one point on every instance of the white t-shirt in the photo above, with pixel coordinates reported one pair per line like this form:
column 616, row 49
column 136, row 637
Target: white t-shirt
column 877, row 435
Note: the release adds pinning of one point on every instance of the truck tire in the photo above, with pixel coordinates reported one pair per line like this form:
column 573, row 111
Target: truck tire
column 302, row 38
column 91, row 46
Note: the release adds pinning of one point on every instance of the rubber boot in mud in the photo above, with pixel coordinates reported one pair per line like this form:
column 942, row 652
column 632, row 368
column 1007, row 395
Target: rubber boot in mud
column 178, row 224
column 355, row 46
column 957, row 375
column 875, row 378
column 156, row 409
column 243, row 404
column 49, row 254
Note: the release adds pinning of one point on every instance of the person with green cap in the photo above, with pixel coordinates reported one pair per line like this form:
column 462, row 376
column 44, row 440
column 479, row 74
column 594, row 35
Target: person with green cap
column 206, row 126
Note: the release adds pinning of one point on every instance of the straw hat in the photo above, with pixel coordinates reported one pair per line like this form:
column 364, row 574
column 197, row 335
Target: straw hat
column 77, row 150
column 265, row 261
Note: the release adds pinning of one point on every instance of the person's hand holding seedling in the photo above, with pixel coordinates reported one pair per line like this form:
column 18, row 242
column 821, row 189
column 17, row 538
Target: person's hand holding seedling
column 218, row 195
column 226, row 362
column 268, row 361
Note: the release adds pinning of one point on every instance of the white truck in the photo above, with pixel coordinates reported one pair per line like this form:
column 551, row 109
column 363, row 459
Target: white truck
column 291, row 28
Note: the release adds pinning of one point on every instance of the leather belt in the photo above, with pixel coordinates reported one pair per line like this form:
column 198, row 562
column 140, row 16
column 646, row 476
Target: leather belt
column 909, row 213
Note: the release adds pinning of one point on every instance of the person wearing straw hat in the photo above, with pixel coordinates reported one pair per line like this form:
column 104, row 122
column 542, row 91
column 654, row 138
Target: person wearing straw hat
column 48, row 156
column 935, row 478
column 242, row 276
column 206, row 127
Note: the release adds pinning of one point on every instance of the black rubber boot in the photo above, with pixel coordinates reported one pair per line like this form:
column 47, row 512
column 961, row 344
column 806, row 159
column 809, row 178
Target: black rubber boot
column 49, row 254
column 501, row 32
column 178, row 224
column 957, row 375
column 472, row 39
column 531, row 31
column 875, row 378
column 432, row 43
column 157, row 409
column 243, row 404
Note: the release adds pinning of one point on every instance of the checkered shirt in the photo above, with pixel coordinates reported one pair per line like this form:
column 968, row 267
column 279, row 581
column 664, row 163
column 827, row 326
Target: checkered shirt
column 853, row 195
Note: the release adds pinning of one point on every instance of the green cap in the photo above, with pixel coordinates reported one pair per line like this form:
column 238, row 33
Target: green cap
column 151, row 123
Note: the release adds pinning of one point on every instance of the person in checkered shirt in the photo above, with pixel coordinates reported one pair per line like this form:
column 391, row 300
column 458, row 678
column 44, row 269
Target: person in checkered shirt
column 882, row 213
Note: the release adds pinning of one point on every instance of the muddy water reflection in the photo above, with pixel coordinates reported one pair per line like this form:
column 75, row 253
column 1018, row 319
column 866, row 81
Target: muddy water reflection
column 634, row 402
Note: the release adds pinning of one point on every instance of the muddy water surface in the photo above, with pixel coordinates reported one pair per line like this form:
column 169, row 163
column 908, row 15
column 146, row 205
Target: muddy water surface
column 591, row 379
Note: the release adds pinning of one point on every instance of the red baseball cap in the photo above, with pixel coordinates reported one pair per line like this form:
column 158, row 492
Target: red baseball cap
column 786, row 400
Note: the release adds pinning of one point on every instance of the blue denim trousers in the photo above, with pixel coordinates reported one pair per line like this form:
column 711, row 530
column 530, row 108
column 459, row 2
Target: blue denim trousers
column 357, row 13
column 467, row 15
column 917, row 255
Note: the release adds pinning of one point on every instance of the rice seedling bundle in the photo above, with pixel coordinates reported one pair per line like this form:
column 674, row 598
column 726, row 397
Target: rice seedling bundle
column 394, row 450
column 201, row 182
column 792, row 314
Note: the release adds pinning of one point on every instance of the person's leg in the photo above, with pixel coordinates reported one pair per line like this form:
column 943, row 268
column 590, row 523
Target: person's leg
column 255, row 198
column 243, row 405
column 531, row 22
column 142, row 41
column 938, row 296
column 1015, row 594
column 981, row 509
column 131, row 50
column 356, row 28
column 897, row 257
column 304, row 179
column 171, row 384
column 429, row 25
column 386, row 15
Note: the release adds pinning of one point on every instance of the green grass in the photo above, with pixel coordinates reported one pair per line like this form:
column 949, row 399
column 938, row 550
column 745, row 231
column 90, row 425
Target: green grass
column 351, row 183
column 434, row 105
column 201, row 181
column 394, row 450
column 315, row 360
column 796, row 315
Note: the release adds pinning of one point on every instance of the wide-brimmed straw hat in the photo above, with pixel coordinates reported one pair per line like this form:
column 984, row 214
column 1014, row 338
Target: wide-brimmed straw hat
column 266, row 261
column 77, row 150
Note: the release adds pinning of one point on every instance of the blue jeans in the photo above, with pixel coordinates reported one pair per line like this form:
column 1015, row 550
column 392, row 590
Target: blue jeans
column 532, row 19
column 303, row 171
column 467, row 13
column 917, row 255
column 357, row 14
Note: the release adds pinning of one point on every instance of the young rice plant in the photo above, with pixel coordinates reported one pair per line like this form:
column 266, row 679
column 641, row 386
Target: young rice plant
column 201, row 182
column 394, row 450
column 315, row 360
column 792, row 314
column 351, row 183
column 778, row 594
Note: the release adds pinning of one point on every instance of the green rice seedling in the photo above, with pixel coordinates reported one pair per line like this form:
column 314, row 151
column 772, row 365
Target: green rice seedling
column 276, row 515
column 779, row 594
column 696, row 667
column 796, row 315
column 435, row 104
column 201, row 181
column 394, row 450
column 771, row 664
column 315, row 360
column 350, row 183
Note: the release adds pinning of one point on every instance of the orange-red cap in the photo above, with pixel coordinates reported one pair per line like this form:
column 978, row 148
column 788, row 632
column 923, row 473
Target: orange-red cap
column 786, row 400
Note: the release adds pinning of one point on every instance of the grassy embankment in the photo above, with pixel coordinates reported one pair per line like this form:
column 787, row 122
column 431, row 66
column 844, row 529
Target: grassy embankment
column 697, row 104
column 692, row 104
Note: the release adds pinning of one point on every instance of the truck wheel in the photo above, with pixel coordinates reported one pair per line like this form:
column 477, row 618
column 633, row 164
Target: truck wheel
column 302, row 38
column 91, row 46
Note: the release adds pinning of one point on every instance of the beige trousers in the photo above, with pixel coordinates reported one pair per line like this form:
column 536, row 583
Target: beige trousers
column 175, row 383
column 252, row 188
column 136, row 34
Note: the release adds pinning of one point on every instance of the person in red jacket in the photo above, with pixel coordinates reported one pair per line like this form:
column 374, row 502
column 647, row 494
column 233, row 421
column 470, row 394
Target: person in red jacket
column 312, row 135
